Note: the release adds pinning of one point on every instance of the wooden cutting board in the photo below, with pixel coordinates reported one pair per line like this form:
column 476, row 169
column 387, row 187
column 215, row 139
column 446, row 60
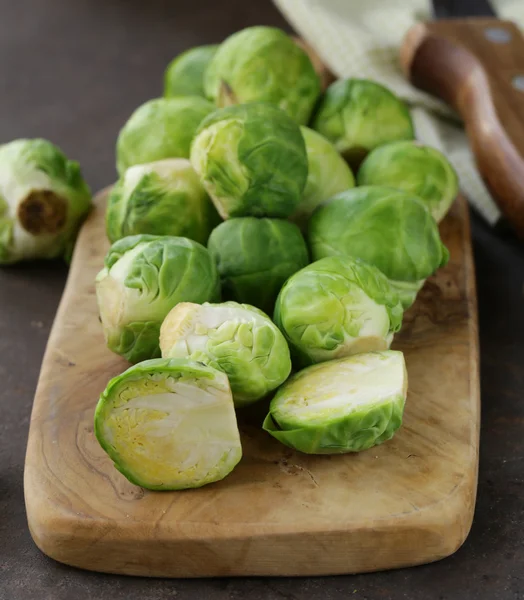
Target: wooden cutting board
column 406, row 502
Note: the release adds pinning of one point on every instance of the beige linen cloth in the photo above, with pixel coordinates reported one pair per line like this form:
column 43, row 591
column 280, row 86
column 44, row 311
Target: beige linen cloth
column 361, row 38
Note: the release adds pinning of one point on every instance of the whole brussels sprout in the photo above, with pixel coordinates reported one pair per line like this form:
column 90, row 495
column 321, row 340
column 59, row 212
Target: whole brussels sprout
column 255, row 257
column 169, row 424
column 413, row 168
column 144, row 277
column 340, row 406
column 161, row 198
column 328, row 174
column 263, row 64
column 335, row 307
column 184, row 75
column 384, row 227
column 43, row 200
column 235, row 338
column 358, row 115
column 252, row 161
column 160, row 128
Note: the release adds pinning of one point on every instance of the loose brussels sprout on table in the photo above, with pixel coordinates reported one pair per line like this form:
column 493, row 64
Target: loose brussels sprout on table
column 328, row 174
column 43, row 200
column 160, row 128
column 357, row 115
column 184, row 75
column 169, row 424
column 252, row 160
column 386, row 228
column 160, row 198
column 144, row 277
column 340, row 406
column 263, row 64
column 255, row 257
column 413, row 168
column 336, row 307
column 235, row 338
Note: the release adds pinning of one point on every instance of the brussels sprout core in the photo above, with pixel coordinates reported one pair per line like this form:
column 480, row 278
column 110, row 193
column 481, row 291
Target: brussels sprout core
column 169, row 424
column 42, row 212
column 340, row 406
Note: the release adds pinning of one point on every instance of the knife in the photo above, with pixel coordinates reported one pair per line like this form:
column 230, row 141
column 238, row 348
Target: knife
column 476, row 65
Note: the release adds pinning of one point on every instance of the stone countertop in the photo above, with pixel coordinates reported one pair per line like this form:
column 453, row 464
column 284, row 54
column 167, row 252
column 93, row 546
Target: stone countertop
column 72, row 71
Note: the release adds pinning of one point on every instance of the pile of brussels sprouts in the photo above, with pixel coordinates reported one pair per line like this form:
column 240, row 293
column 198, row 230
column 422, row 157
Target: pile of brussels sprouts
column 259, row 227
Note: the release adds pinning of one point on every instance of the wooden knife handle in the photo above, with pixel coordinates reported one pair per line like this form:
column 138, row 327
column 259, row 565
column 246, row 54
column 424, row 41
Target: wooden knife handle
column 477, row 67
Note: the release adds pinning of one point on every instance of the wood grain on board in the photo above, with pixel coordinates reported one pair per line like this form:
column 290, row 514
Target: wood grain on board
column 406, row 502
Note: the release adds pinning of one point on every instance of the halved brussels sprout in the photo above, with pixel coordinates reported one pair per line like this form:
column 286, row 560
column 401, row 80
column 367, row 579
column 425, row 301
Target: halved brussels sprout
column 160, row 128
column 328, row 174
column 255, row 257
column 413, row 168
column 161, row 198
column 340, row 406
column 335, row 307
column 43, row 200
column 143, row 278
column 169, row 424
column 384, row 227
column 358, row 115
column 252, row 161
column 235, row 338
column 263, row 64
column 184, row 75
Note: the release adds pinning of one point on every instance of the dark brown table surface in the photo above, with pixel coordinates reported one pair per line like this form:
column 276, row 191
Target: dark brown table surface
column 72, row 71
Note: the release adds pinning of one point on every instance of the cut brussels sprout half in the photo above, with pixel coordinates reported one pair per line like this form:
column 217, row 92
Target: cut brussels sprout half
column 160, row 198
column 336, row 307
column 416, row 169
column 43, row 200
column 263, row 64
column 235, row 338
column 252, row 161
column 357, row 115
column 144, row 277
column 184, row 75
column 160, row 128
column 340, row 406
column 384, row 227
column 328, row 174
column 255, row 257
column 169, row 424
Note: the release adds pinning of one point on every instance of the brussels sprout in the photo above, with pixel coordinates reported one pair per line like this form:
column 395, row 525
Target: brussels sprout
column 328, row 174
column 340, row 406
column 161, row 198
column 252, row 161
column 184, row 75
column 384, row 227
column 255, row 257
column 160, row 128
column 336, row 307
column 358, row 115
column 169, row 424
column 43, row 200
column 143, row 278
column 235, row 338
column 413, row 168
column 263, row 64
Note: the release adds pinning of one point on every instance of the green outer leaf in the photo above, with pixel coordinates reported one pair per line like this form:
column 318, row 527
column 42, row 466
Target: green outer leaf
column 137, row 341
column 415, row 169
column 382, row 226
column 263, row 64
column 160, row 128
column 357, row 115
column 255, row 257
column 184, row 75
column 256, row 163
column 196, row 373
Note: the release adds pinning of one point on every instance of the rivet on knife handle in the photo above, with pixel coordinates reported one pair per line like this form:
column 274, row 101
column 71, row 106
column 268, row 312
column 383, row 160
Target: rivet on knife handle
column 478, row 74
